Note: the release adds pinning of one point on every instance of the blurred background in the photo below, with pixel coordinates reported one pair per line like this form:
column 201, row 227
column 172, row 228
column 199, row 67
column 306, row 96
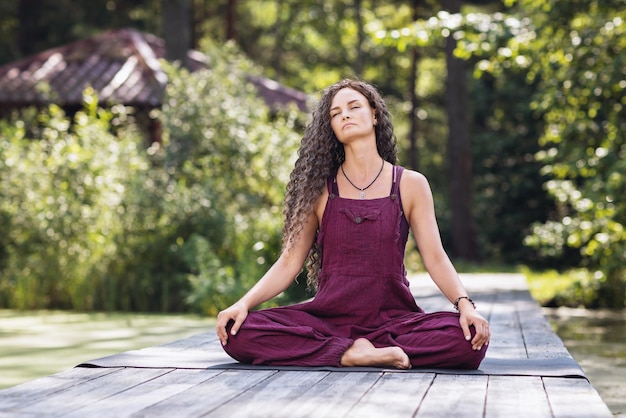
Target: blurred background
column 145, row 145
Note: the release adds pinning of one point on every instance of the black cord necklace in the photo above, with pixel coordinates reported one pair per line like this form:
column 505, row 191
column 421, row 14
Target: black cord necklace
column 362, row 190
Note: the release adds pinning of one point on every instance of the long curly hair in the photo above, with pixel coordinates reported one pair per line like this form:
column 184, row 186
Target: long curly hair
column 319, row 157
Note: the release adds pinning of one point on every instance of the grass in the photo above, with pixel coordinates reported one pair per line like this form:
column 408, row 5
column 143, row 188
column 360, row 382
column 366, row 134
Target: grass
column 544, row 286
column 40, row 343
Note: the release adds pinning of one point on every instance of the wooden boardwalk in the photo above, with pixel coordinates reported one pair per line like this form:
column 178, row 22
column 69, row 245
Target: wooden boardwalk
column 527, row 373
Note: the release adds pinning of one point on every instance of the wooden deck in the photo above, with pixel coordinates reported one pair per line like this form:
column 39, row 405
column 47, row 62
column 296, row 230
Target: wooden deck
column 527, row 373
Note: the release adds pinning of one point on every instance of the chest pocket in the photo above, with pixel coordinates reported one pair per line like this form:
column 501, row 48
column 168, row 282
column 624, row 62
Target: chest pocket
column 360, row 233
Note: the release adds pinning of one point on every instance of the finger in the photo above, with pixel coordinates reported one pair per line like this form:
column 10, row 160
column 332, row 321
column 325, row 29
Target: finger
column 465, row 329
column 478, row 343
column 220, row 326
column 238, row 321
column 222, row 335
column 477, row 337
column 481, row 337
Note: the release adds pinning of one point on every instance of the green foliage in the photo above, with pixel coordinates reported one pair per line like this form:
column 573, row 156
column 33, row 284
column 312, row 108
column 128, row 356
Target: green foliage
column 311, row 44
column 234, row 158
column 547, row 113
column 552, row 288
column 563, row 132
column 507, row 193
column 507, row 176
column 573, row 52
column 60, row 196
column 8, row 25
column 91, row 220
column 581, row 68
column 29, row 27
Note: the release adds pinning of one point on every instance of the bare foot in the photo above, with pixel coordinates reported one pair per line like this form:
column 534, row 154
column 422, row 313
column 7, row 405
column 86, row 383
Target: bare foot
column 363, row 353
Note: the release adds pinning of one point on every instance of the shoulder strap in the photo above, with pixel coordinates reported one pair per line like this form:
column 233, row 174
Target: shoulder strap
column 331, row 184
column 395, row 185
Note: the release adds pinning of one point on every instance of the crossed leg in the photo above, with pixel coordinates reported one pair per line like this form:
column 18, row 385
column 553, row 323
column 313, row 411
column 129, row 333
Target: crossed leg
column 363, row 353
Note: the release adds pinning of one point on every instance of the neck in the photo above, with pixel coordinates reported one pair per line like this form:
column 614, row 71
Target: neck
column 363, row 162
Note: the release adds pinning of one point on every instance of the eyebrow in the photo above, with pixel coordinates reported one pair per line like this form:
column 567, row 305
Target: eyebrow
column 349, row 103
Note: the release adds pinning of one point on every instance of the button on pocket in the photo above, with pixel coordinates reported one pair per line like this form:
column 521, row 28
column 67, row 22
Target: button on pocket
column 360, row 232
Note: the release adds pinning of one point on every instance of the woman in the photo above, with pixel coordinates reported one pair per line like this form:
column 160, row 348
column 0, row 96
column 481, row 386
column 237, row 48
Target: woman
column 349, row 208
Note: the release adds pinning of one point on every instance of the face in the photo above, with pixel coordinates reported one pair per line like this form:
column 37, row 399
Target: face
column 351, row 115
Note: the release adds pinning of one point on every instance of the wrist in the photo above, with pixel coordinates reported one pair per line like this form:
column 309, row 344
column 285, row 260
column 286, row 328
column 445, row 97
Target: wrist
column 463, row 302
column 243, row 303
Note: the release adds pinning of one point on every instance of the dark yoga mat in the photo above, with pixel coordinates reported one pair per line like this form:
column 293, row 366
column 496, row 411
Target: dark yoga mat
column 211, row 356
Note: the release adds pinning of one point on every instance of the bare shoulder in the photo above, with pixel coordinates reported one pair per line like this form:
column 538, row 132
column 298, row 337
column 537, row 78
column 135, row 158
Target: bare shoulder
column 417, row 198
column 413, row 184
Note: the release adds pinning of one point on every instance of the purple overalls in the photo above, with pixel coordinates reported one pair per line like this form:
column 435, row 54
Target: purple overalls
column 362, row 292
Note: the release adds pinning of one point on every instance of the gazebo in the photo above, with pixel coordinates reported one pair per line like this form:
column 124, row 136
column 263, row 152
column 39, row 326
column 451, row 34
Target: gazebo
column 121, row 65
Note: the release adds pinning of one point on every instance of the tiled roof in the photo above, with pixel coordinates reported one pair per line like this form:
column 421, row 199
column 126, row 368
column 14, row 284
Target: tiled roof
column 122, row 66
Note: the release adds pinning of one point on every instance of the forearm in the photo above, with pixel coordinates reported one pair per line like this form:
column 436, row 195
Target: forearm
column 276, row 280
column 447, row 280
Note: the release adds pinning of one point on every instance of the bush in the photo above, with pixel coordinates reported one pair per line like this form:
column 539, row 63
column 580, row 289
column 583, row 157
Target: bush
column 93, row 220
column 60, row 200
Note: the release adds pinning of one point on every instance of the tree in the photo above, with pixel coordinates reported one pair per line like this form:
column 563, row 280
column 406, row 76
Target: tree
column 507, row 196
column 459, row 150
column 176, row 29
column 579, row 56
column 413, row 77
column 30, row 26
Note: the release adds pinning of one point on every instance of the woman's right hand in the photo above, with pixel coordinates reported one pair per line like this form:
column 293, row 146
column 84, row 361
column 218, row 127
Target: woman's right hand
column 238, row 313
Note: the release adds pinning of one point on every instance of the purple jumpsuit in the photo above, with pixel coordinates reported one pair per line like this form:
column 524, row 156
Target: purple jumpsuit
column 362, row 292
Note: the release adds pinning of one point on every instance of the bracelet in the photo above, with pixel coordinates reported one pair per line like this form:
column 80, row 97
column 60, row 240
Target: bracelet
column 456, row 302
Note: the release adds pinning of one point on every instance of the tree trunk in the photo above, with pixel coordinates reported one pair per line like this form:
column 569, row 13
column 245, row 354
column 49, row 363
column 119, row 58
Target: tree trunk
column 176, row 29
column 414, row 75
column 231, row 20
column 459, row 151
column 27, row 29
column 359, row 62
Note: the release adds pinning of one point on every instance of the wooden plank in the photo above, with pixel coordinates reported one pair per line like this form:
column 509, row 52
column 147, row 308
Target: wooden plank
column 516, row 396
column 145, row 394
column 495, row 298
column 539, row 338
column 268, row 397
column 40, row 389
column 393, row 395
column 574, row 398
column 208, row 395
column 431, row 302
column 89, row 392
column 193, row 341
column 507, row 339
column 455, row 396
column 333, row 396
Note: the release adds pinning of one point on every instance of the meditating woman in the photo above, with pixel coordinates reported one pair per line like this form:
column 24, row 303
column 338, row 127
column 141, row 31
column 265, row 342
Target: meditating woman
column 348, row 209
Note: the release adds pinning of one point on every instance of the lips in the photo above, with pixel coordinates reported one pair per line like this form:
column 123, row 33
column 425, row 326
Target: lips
column 348, row 124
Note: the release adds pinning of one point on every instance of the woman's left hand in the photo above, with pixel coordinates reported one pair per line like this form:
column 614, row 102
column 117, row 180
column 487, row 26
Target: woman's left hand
column 470, row 317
